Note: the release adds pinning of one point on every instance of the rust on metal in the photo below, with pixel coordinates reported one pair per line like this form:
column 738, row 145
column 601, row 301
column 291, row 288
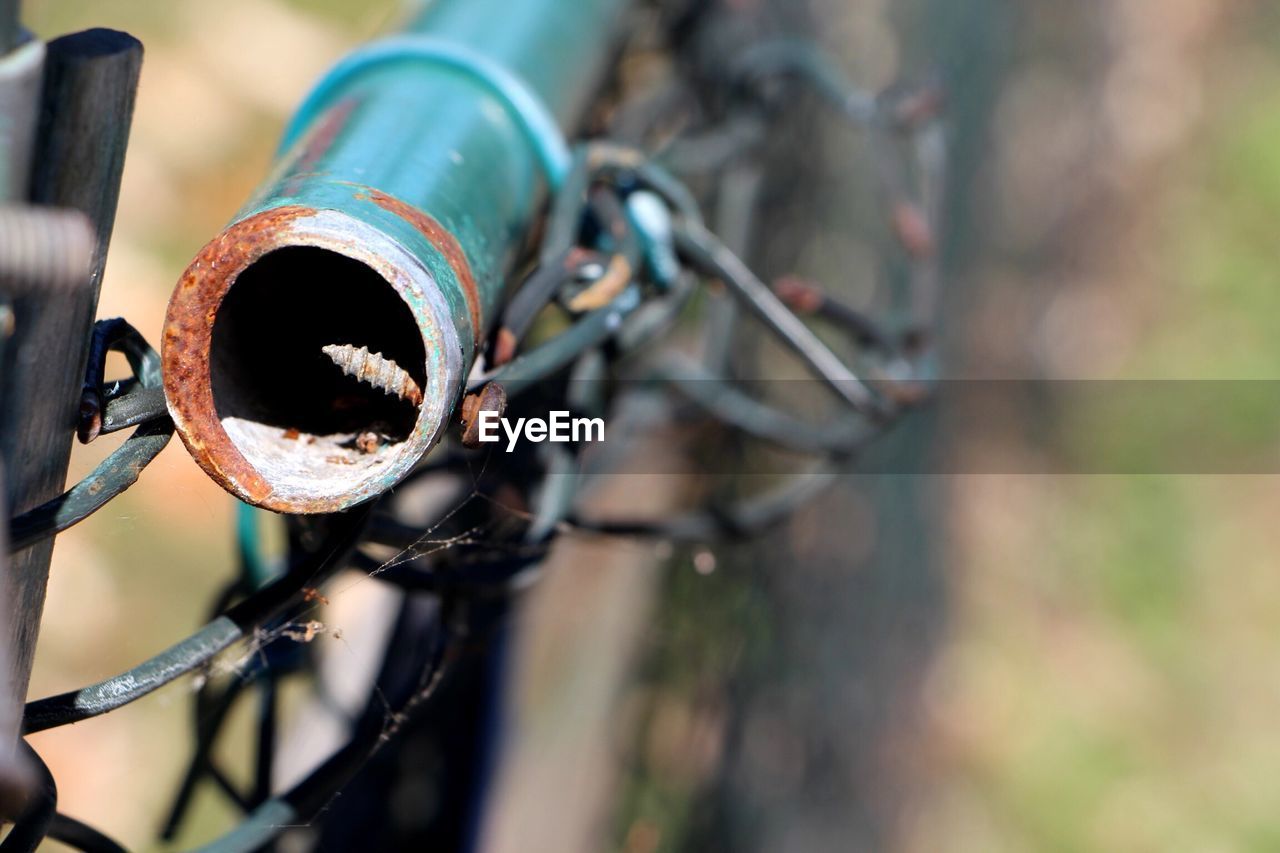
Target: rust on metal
column 601, row 154
column 490, row 398
column 802, row 297
column 89, row 416
column 577, row 260
column 375, row 369
column 912, row 229
column 318, row 143
column 325, row 134
column 368, row 442
column 310, row 594
column 296, row 467
column 918, row 106
column 504, row 347
column 186, row 346
column 902, row 392
column 446, row 244
column 604, row 289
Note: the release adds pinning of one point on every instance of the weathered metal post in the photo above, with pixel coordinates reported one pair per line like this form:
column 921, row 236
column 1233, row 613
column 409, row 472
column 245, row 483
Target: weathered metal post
column 405, row 187
column 20, row 64
column 64, row 118
column 78, row 154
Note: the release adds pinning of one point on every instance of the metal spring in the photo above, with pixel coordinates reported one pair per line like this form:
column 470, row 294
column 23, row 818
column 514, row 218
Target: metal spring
column 375, row 369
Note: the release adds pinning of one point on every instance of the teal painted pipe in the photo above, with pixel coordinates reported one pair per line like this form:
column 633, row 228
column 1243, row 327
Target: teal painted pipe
column 405, row 185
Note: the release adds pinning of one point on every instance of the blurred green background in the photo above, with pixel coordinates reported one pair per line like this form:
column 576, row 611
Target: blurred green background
column 1107, row 675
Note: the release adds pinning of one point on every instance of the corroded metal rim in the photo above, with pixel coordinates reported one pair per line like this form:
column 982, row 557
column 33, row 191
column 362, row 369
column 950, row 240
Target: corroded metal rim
column 187, row 344
column 445, row 244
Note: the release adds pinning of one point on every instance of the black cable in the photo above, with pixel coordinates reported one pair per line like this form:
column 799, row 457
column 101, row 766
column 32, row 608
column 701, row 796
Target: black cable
column 81, row 836
column 32, row 826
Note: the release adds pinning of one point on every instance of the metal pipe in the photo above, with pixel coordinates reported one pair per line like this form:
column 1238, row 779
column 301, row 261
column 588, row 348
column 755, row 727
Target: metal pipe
column 405, row 186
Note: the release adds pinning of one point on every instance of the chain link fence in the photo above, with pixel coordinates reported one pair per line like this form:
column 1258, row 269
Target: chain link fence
column 625, row 274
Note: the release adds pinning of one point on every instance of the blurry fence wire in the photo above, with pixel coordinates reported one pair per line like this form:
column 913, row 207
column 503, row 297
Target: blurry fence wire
column 625, row 260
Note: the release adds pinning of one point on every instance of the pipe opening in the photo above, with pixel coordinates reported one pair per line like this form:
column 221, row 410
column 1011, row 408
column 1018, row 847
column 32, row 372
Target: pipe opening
column 284, row 402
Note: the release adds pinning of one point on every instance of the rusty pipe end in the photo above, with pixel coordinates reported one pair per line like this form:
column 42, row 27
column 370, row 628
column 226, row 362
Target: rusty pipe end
column 255, row 398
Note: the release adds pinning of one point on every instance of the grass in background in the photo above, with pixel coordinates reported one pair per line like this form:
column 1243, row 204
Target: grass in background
column 1111, row 683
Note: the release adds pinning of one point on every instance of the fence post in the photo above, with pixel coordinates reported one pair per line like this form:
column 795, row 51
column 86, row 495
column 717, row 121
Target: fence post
column 89, row 83
column 20, row 68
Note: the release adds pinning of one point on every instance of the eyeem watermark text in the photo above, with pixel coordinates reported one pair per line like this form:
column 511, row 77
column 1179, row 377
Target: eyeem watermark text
column 559, row 427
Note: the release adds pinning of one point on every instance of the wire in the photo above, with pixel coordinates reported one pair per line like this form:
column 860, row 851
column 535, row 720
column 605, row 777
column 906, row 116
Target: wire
column 205, row 644
column 623, row 247
column 81, row 836
column 31, row 827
